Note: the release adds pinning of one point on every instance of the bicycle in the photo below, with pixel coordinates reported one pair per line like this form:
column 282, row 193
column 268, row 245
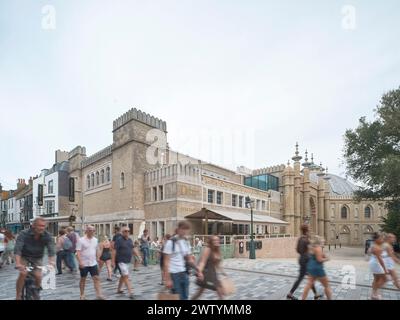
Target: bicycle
column 30, row 291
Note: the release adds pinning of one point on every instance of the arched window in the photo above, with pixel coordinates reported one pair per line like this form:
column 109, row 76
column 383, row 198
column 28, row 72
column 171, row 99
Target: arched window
column 367, row 212
column 102, row 176
column 122, row 182
column 92, row 180
column 97, row 178
column 108, row 174
column 343, row 212
column 88, row 182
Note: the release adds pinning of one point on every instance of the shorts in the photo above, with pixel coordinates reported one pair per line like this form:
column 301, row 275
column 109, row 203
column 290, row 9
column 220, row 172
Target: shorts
column 94, row 271
column 34, row 262
column 124, row 268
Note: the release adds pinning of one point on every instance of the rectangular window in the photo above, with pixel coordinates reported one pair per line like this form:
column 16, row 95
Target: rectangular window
column 154, row 193
column 258, row 203
column 234, row 229
column 234, row 200
column 241, row 201
column 50, row 188
column 161, row 189
column 219, row 197
column 50, row 206
column 263, row 205
column 211, row 194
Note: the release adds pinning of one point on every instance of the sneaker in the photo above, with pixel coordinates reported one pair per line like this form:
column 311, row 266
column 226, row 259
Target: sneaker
column 131, row 297
column 109, row 279
column 101, row 298
column 120, row 292
column 318, row 297
column 291, row 297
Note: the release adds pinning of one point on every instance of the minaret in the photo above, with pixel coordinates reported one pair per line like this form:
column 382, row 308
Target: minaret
column 288, row 197
column 306, row 190
column 321, row 200
column 297, row 191
column 327, row 205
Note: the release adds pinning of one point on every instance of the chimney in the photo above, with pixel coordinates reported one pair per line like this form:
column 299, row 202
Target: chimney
column 31, row 182
column 1, row 188
column 61, row 156
column 21, row 184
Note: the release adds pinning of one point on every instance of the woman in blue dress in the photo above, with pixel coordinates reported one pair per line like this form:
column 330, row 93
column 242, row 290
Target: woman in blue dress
column 315, row 268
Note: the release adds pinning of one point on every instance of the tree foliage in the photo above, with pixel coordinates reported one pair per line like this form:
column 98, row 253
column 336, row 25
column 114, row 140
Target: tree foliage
column 372, row 156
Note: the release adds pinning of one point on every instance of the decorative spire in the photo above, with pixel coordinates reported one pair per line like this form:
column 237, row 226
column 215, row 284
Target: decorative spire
column 326, row 174
column 312, row 158
column 306, row 164
column 321, row 170
column 297, row 157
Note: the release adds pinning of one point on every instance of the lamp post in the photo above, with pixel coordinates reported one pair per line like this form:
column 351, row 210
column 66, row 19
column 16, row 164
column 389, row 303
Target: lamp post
column 249, row 204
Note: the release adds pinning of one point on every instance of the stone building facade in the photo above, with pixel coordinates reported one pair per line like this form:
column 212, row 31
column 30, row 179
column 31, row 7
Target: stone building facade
column 140, row 182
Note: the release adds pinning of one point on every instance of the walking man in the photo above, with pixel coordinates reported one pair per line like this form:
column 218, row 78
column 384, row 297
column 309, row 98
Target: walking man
column 87, row 254
column 71, row 253
column 176, row 257
column 117, row 235
column 123, row 254
column 303, row 250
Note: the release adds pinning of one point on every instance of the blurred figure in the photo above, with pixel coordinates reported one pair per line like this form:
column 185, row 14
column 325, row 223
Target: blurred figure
column 162, row 245
column 144, row 246
column 117, row 235
column 71, row 253
column 315, row 268
column 377, row 265
column 87, row 254
column 2, row 244
column 124, row 252
column 209, row 268
column 137, row 259
column 62, row 251
column 390, row 259
column 105, row 257
column 176, row 260
column 303, row 250
column 8, row 254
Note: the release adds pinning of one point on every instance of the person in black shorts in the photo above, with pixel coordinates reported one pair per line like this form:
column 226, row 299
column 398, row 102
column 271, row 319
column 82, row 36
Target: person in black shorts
column 86, row 250
column 117, row 235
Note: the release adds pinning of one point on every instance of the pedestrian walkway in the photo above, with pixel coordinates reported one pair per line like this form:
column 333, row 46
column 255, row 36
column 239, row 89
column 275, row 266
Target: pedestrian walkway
column 254, row 279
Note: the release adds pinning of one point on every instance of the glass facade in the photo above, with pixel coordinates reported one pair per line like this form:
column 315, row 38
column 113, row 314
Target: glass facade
column 263, row 182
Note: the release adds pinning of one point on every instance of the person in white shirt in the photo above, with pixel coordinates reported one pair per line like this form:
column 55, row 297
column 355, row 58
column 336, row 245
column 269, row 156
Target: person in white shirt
column 88, row 257
column 2, row 245
column 176, row 257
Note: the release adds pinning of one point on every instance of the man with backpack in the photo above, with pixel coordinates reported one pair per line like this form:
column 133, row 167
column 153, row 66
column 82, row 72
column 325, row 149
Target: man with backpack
column 178, row 261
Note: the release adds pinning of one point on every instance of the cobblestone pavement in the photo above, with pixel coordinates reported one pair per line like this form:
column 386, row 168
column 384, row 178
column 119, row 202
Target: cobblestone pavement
column 261, row 279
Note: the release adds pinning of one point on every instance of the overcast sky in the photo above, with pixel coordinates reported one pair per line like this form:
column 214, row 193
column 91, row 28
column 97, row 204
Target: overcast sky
column 263, row 74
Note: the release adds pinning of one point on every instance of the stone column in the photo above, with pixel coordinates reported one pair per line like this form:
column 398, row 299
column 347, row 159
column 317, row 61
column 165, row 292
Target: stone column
column 321, row 207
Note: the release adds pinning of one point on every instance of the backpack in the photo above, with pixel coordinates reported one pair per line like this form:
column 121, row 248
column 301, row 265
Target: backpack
column 67, row 245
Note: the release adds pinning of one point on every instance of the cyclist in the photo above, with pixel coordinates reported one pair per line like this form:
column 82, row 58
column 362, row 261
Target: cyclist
column 29, row 250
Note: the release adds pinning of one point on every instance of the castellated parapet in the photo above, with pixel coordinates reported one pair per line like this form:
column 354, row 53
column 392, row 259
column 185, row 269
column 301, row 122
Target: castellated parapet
column 97, row 156
column 273, row 169
column 135, row 114
column 186, row 173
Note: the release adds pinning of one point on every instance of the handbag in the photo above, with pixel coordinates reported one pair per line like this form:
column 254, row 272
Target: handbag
column 167, row 295
column 227, row 285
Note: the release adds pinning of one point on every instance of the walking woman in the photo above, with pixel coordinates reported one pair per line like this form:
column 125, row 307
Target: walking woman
column 303, row 250
column 315, row 268
column 209, row 268
column 8, row 254
column 390, row 259
column 105, row 257
column 377, row 265
column 137, row 259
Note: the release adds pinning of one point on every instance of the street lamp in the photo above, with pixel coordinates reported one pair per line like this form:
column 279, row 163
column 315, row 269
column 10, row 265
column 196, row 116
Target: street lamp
column 249, row 204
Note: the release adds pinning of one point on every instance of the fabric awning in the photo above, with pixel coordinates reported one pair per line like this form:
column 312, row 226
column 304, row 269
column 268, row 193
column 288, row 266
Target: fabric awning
column 234, row 216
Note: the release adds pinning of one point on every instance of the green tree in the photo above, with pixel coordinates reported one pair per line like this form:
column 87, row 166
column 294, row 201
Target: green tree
column 372, row 156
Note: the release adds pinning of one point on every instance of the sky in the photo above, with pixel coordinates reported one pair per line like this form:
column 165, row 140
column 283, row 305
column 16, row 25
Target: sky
column 238, row 82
